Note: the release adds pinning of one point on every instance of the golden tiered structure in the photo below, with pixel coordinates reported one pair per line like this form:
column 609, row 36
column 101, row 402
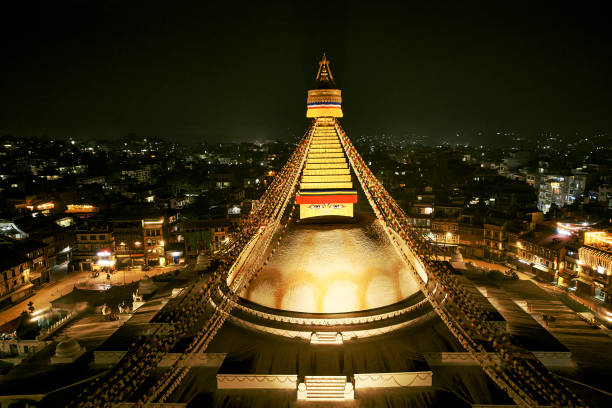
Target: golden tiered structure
column 326, row 187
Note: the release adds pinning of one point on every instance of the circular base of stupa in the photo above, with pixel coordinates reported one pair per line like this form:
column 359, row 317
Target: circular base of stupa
column 332, row 277
column 351, row 325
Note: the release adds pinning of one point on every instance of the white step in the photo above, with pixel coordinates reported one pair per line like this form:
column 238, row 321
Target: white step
column 325, row 388
column 326, row 338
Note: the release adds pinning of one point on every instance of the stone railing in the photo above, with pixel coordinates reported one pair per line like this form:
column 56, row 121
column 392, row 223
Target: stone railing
column 552, row 359
column 44, row 333
column 339, row 321
column 306, row 334
column 390, row 380
column 256, row 381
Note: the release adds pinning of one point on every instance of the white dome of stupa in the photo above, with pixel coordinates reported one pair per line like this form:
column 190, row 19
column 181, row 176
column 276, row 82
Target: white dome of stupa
column 457, row 260
column 67, row 351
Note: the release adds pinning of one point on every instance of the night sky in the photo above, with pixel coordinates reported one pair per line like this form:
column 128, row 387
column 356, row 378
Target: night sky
column 240, row 71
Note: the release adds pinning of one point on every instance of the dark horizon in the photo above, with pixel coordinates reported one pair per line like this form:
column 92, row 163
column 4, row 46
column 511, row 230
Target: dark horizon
column 214, row 73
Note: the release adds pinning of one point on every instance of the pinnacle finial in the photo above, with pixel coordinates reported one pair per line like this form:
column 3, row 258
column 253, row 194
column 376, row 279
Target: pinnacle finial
column 324, row 79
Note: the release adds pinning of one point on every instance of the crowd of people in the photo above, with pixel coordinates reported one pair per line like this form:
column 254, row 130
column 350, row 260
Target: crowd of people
column 514, row 369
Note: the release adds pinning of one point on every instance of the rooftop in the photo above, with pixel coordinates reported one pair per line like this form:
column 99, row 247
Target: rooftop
column 547, row 236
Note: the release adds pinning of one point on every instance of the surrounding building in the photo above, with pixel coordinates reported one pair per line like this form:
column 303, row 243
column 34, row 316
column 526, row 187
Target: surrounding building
column 595, row 260
column 153, row 241
column 494, row 239
column 95, row 246
column 36, row 252
column 560, row 191
column 129, row 242
column 541, row 251
column 142, row 175
column 14, row 276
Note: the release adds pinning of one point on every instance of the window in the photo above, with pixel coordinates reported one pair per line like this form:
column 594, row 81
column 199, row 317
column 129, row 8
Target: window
column 83, row 238
column 101, row 237
column 92, row 237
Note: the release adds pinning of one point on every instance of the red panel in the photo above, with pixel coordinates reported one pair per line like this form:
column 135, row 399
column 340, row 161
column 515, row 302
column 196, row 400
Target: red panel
column 326, row 199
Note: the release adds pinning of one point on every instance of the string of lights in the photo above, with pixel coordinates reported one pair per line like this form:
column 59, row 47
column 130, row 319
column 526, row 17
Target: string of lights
column 512, row 368
column 143, row 356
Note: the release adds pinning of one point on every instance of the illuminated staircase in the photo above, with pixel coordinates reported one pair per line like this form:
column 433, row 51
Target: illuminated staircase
column 326, row 388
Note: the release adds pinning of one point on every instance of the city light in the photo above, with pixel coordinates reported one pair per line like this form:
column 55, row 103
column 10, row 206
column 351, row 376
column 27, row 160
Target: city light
column 272, row 249
column 105, row 262
column 151, row 222
column 597, row 238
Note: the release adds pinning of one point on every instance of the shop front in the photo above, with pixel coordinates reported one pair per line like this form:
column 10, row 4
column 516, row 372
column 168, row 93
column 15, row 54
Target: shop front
column 544, row 274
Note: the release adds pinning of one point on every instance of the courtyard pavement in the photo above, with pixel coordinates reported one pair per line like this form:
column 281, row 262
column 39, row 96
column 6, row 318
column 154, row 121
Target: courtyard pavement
column 50, row 291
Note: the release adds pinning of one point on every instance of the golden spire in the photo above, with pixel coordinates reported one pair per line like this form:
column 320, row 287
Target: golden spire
column 324, row 99
column 325, row 79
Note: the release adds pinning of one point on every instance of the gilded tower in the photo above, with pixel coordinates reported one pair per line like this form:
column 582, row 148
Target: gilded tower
column 326, row 187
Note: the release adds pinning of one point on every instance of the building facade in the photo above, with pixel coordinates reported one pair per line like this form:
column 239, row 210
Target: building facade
column 14, row 277
column 153, row 241
column 494, row 240
column 595, row 266
column 95, row 247
column 129, row 242
column 36, row 252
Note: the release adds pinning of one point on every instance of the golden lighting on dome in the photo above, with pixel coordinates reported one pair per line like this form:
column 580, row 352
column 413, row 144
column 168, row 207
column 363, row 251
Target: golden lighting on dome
column 333, row 269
